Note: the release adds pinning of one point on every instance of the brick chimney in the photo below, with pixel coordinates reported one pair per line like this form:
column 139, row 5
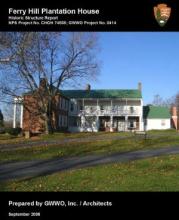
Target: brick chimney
column 173, row 111
column 140, row 86
column 174, row 118
column 88, row 87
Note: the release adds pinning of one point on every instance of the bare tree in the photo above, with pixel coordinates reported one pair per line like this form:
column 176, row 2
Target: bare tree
column 60, row 58
column 6, row 41
column 169, row 102
column 159, row 101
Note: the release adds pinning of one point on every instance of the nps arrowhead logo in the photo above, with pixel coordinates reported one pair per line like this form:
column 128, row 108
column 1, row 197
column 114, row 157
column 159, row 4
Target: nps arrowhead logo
column 162, row 14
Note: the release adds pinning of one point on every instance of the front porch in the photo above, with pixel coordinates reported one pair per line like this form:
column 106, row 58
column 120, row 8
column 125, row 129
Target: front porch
column 119, row 123
column 108, row 123
column 108, row 107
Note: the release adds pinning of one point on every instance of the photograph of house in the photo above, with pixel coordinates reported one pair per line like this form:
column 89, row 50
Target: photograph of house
column 105, row 110
column 78, row 125
column 89, row 107
column 95, row 110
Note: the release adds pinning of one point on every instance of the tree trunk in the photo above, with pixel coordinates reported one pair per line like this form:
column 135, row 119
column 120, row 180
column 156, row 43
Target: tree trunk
column 48, row 124
column 48, row 118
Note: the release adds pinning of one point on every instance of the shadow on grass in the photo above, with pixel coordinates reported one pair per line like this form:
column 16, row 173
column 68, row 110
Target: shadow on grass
column 48, row 167
column 35, row 169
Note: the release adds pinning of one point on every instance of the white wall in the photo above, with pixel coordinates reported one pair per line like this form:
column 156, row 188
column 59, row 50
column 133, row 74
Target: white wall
column 117, row 104
column 158, row 124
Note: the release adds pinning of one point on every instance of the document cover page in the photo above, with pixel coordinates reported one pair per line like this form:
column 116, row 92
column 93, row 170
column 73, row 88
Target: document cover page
column 89, row 109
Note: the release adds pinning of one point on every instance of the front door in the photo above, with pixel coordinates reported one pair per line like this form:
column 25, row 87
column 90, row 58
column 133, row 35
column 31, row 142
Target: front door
column 121, row 125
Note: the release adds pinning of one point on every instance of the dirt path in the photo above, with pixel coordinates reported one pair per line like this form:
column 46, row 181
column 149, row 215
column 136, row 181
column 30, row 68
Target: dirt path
column 35, row 168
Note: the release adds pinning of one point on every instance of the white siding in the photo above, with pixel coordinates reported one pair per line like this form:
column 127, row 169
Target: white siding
column 99, row 107
column 158, row 124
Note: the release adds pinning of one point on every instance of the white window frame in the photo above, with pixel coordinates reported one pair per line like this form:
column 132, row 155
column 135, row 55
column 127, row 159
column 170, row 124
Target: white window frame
column 163, row 122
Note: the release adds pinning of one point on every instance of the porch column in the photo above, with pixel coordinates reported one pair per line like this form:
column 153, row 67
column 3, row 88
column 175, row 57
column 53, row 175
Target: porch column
column 83, row 123
column 111, row 123
column 126, row 123
column 141, row 120
column 97, row 106
column 83, row 103
column 126, row 108
column 14, row 114
column 97, row 123
column 21, row 119
column 141, row 124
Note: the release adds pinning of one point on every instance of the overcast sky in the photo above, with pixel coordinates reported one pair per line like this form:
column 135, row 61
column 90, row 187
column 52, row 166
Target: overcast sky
column 149, row 57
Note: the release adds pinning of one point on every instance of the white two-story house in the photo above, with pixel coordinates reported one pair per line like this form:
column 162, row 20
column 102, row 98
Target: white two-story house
column 96, row 110
column 105, row 110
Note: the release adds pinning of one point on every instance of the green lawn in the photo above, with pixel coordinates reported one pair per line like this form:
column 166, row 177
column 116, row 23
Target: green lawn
column 6, row 138
column 130, row 143
column 156, row 174
column 82, row 135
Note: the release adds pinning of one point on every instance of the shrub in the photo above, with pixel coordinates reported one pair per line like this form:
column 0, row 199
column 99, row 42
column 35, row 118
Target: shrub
column 13, row 131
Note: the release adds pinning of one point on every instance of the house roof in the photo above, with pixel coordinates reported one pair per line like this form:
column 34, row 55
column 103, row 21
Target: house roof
column 103, row 93
column 154, row 112
column 33, row 92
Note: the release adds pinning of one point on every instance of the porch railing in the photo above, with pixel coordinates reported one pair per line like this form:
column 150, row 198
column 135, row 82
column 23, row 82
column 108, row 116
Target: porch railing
column 97, row 112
